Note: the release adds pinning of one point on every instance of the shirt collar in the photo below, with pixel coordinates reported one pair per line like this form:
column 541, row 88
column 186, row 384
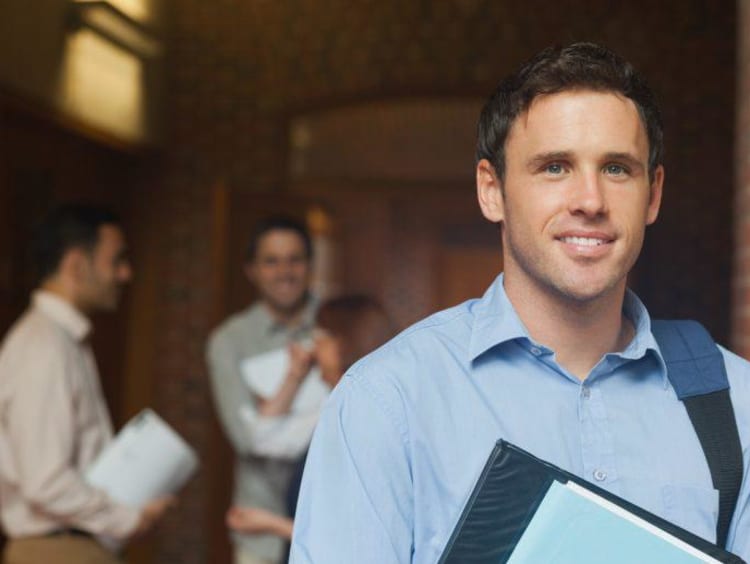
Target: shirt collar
column 643, row 341
column 63, row 313
column 496, row 322
column 307, row 320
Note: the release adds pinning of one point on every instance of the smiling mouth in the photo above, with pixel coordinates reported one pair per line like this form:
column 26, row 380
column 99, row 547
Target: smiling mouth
column 584, row 241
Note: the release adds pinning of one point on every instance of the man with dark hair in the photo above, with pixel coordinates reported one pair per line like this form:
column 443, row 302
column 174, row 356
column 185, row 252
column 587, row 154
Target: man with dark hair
column 266, row 437
column 558, row 357
column 278, row 223
column 53, row 419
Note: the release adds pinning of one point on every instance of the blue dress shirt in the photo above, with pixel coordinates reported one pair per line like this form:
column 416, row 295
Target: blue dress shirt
column 405, row 434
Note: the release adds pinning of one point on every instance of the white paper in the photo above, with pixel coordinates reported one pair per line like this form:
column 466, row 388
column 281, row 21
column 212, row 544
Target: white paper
column 573, row 525
column 264, row 374
column 147, row 459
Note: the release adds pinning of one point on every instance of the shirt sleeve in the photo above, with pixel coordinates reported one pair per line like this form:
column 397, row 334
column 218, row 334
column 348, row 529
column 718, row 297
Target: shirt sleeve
column 232, row 398
column 247, row 431
column 356, row 500
column 738, row 540
column 738, row 370
column 42, row 437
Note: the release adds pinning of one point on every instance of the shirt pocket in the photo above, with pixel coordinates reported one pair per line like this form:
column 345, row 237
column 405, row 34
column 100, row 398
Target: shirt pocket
column 693, row 508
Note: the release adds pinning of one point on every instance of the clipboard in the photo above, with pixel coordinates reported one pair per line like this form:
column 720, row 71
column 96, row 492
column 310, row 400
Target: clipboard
column 508, row 495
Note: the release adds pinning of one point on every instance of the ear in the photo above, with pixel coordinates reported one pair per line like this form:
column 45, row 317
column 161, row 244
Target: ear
column 73, row 264
column 654, row 203
column 490, row 192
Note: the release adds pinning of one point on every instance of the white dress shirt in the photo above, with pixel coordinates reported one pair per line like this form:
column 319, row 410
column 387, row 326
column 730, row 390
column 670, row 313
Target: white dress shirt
column 53, row 424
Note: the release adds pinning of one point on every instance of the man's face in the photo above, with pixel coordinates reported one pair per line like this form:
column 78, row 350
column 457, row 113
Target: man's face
column 576, row 196
column 105, row 271
column 281, row 270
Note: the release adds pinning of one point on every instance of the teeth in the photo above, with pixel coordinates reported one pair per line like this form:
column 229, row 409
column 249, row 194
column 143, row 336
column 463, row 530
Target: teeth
column 583, row 241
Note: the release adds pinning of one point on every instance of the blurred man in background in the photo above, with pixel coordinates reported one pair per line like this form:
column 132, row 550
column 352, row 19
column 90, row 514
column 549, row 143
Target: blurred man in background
column 54, row 421
column 267, row 437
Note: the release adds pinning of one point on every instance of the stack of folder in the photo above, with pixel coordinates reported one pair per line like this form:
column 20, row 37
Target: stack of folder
column 524, row 510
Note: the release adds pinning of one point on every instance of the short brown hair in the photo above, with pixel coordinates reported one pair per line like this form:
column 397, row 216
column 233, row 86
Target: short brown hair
column 65, row 227
column 278, row 223
column 580, row 66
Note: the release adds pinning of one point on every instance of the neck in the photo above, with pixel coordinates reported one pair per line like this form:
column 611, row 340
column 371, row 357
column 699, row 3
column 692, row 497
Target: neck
column 580, row 333
column 62, row 291
column 290, row 317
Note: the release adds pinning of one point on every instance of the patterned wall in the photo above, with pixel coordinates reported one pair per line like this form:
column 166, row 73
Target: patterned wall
column 741, row 280
column 238, row 70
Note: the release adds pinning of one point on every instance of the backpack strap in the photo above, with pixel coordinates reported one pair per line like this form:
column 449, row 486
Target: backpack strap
column 695, row 367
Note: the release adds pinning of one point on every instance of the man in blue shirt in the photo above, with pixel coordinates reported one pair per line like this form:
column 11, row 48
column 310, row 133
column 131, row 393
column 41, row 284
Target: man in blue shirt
column 557, row 357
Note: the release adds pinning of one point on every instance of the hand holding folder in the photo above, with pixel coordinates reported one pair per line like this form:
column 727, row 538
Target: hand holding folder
column 524, row 510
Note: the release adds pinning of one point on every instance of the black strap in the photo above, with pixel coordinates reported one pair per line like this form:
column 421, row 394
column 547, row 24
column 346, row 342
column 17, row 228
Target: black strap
column 713, row 418
column 695, row 367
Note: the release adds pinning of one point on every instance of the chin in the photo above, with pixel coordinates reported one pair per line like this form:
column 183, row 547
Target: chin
column 106, row 306
column 584, row 292
column 290, row 304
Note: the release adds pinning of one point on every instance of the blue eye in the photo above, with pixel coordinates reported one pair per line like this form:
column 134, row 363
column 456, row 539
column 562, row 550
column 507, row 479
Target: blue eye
column 554, row 168
column 615, row 169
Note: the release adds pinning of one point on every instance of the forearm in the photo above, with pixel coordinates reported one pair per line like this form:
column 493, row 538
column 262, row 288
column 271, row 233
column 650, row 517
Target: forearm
column 277, row 525
column 283, row 527
column 281, row 402
column 250, row 431
column 300, row 362
column 284, row 436
column 259, row 521
column 66, row 497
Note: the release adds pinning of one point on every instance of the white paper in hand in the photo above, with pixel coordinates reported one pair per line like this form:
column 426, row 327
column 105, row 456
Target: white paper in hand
column 264, row 374
column 147, row 459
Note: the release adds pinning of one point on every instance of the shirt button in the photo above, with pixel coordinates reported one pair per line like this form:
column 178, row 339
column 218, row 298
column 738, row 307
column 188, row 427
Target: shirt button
column 586, row 393
column 535, row 351
column 600, row 475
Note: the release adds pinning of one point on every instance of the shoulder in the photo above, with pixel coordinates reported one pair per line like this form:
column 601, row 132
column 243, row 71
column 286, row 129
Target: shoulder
column 33, row 331
column 36, row 352
column 738, row 372
column 418, row 359
column 449, row 329
column 737, row 367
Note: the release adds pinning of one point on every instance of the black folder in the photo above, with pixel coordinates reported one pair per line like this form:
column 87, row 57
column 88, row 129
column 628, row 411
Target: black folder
column 509, row 491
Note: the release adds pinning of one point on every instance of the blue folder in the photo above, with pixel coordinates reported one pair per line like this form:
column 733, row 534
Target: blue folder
column 521, row 511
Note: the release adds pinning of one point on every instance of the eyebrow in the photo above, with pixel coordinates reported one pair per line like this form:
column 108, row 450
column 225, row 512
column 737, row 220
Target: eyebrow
column 632, row 161
column 542, row 158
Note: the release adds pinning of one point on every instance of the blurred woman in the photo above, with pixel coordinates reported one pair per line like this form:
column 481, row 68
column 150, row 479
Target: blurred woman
column 347, row 328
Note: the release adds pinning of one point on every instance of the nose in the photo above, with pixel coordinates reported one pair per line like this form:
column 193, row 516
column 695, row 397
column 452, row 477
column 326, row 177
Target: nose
column 289, row 266
column 587, row 195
